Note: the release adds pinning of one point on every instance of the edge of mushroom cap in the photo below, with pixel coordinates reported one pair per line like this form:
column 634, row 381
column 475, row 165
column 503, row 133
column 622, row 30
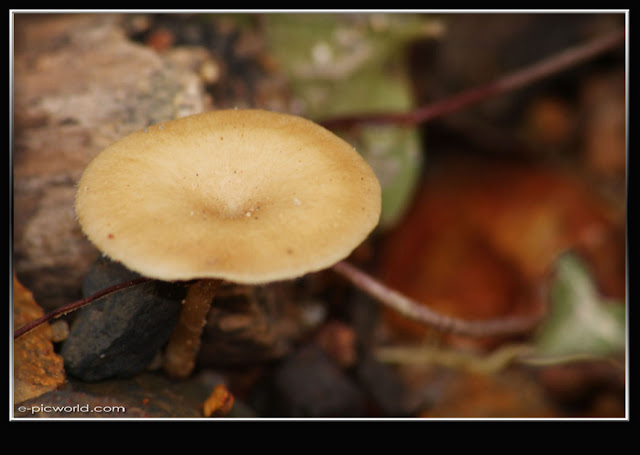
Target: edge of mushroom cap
column 148, row 265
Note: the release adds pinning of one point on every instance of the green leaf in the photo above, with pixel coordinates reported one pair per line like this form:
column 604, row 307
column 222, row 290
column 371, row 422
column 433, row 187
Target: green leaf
column 341, row 64
column 581, row 322
column 395, row 156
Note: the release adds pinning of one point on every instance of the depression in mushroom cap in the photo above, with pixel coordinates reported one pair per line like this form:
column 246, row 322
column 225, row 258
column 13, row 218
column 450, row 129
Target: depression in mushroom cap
column 250, row 196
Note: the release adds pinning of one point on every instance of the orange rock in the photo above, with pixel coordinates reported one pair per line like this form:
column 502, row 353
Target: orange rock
column 219, row 402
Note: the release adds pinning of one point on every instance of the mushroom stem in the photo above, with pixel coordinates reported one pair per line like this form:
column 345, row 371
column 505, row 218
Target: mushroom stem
column 422, row 313
column 184, row 343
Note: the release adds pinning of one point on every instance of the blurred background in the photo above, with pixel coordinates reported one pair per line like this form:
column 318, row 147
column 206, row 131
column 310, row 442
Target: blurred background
column 502, row 208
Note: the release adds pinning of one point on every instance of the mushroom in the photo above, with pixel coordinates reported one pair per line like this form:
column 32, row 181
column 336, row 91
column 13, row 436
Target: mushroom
column 245, row 196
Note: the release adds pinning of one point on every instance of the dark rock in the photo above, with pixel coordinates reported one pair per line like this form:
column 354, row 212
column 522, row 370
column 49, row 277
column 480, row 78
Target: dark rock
column 309, row 384
column 383, row 386
column 145, row 395
column 70, row 404
column 119, row 334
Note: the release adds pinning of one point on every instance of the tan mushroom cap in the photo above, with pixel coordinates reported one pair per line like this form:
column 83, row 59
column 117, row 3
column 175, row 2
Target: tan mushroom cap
column 248, row 196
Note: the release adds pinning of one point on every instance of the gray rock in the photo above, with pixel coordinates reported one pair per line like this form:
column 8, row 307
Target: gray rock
column 118, row 335
column 309, row 384
column 383, row 386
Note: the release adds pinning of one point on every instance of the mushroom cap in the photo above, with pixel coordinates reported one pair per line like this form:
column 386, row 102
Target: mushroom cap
column 248, row 196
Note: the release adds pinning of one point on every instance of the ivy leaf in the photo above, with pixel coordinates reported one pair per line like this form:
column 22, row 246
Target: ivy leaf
column 341, row 64
column 581, row 322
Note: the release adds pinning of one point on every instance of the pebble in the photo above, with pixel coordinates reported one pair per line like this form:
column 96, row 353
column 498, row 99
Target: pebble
column 384, row 387
column 118, row 335
column 309, row 384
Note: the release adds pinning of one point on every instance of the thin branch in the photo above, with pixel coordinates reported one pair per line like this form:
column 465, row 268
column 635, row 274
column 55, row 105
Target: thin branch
column 498, row 359
column 61, row 311
column 487, row 363
column 423, row 314
column 520, row 78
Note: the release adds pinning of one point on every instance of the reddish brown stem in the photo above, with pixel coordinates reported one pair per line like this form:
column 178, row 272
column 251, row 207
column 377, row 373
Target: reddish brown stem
column 423, row 314
column 75, row 305
column 545, row 68
column 184, row 343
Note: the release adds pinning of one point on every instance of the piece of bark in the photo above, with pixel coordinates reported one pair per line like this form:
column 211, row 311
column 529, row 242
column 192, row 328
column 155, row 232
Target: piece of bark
column 79, row 84
column 251, row 325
